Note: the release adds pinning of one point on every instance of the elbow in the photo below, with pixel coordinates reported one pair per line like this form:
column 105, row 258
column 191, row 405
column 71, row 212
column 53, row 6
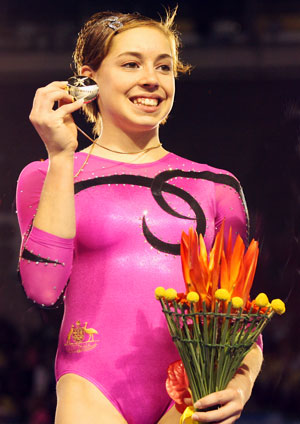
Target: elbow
column 45, row 297
column 44, row 288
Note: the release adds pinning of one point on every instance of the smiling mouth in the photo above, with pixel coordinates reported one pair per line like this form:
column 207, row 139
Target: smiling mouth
column 146, row 101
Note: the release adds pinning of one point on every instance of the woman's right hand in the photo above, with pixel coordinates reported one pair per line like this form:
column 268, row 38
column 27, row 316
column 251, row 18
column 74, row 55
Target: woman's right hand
column 56, row 127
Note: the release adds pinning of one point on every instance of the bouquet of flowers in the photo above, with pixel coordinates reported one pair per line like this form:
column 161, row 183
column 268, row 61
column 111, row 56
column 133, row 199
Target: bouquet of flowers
column 214, row 324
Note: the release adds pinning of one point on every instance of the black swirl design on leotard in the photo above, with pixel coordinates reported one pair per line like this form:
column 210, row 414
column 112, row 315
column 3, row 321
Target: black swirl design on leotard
column 158, row 186
column 29, row 256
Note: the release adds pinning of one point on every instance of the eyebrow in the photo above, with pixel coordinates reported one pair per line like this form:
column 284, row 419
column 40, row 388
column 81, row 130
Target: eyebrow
column 139, row 55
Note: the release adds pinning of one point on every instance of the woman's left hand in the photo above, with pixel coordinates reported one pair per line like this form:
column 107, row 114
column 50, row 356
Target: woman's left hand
column 232, row 400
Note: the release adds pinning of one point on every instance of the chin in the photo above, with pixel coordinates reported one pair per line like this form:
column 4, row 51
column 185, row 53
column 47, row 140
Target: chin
column 142, row 124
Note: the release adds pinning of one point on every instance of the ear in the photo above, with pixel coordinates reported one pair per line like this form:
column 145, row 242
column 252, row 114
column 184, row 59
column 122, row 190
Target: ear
column 87, row 71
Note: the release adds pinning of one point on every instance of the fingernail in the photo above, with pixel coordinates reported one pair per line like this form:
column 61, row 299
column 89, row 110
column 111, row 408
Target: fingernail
column 198, row 405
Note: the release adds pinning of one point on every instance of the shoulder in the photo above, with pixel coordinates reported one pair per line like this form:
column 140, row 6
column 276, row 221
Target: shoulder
column 36, row 170
column 31, row 178
column 208, row 171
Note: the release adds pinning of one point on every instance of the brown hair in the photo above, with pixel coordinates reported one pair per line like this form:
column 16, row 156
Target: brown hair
column 94, row 41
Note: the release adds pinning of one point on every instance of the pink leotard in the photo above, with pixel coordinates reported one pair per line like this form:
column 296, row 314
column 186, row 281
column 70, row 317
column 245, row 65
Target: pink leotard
column 129, row 220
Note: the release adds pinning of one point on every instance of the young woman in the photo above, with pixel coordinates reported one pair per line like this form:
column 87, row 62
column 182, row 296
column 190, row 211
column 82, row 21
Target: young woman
column 108, row 219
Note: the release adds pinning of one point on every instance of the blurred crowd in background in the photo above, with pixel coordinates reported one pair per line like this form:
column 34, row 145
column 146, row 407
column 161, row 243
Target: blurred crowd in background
column 243, row 111
column 33, row 25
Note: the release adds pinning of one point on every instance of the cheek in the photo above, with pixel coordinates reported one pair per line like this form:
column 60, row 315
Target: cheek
column 108, row 94
column 171, row 93
column 170, row 87
column 113, row 86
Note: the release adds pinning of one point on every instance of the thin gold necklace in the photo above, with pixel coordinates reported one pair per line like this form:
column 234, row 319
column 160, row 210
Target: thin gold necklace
column 94, row 142
column 128, row 153
column 118, row 151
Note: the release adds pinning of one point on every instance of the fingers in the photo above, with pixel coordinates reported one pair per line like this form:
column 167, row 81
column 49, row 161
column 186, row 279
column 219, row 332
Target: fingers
column 45, row 97
column 217, row 398
column 225, row 414
column 71, row 107
column 56, row 127
column 229, row 411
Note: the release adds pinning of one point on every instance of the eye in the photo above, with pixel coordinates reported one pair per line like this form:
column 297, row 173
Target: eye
column 130, row 65
column 165, row 68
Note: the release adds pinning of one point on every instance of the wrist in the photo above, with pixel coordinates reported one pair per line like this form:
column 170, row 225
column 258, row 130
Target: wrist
column 61, row 155
column 242, row 383
column 61, row 166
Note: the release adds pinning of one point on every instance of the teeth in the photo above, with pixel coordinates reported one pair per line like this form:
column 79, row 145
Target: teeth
column 145, row 101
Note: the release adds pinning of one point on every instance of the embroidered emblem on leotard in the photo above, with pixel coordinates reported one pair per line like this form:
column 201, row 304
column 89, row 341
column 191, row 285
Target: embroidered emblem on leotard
column 80, row 338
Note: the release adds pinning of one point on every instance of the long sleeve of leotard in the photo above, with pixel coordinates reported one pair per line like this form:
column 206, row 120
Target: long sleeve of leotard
column 232, row 208
column 45, row 259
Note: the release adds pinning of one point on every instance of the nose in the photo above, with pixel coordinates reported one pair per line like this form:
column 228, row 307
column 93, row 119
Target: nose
column 149, row 78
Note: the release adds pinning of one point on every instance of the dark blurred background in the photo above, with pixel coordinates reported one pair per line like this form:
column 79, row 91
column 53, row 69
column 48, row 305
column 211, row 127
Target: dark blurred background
column 237, row 110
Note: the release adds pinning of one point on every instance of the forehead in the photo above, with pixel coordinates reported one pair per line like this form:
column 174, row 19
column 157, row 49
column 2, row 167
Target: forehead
column 145, row 40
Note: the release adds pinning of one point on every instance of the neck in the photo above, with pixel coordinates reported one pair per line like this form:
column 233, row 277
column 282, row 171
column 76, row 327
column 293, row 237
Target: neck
column 128, row 141
column 121, row 146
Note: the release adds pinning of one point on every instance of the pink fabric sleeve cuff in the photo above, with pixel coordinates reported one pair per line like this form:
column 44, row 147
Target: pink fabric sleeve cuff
column 259, row 342
column 45, row 266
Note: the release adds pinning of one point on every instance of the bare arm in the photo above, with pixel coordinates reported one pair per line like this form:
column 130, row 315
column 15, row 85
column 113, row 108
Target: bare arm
column 56, row 211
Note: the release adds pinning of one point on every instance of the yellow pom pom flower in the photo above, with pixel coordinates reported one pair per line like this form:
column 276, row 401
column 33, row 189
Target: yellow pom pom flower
column 160, row 292
column 278, row 306
column 222, row 294
column 262, row 300
column 170, row 294
column 193, row 297
column 237, row 302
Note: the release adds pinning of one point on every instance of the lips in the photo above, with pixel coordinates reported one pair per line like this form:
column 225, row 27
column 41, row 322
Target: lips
column 146, row 101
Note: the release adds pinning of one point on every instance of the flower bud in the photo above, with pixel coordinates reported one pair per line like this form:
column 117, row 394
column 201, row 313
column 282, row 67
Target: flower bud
column 170, row 294
column 193, row 297
column 222, row 294
column 237, row 302
column 278, row 306
column 262, row 300
column 160, row 292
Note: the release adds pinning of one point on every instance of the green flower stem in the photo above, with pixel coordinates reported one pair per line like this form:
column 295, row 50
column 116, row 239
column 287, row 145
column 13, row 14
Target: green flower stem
column 250, row 327
column 184, row 348
column 263, row 322
column 185, row 356
column 232, row 367
column 223, row 350
column 250, row 333
column 176, row 315
column 205, row 336
column 174, row 330
column 196, row 326
column 211, row 384
column 245, row 323
column 198, row 336
column 195, row 362
column 177, row 335
column 235, row 328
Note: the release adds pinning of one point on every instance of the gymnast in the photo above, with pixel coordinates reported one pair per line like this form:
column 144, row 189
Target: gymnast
column 101, row 228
